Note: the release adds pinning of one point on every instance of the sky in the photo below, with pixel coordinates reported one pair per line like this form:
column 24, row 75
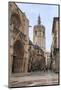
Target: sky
column 46, row 12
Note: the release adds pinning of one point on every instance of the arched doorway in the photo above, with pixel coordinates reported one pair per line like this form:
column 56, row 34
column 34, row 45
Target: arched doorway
column 18, row 57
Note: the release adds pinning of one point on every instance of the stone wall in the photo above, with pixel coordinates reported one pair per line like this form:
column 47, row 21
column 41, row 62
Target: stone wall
column 36, row 59
column 55, row 45
column 18, row 40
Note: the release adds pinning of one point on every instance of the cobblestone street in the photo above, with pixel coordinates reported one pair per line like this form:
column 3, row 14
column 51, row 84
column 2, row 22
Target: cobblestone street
column 35, row 79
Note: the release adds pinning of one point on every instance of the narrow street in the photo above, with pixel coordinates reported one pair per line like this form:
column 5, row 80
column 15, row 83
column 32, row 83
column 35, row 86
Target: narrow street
column 35, row 79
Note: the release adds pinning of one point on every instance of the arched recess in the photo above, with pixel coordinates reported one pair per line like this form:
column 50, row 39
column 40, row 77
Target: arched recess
column 18, row 57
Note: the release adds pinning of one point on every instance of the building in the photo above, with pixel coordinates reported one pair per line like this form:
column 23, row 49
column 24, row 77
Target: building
column 31, row 55
column 39, row 34
column 55, row 45
column 36, row 58
column 37, row 48
column 24, row 56
column 18, row 40
column 48, row 60
column 38, row 63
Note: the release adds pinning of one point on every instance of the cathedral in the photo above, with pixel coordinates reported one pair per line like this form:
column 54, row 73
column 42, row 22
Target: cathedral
column 25, row 56
column 30, row 62
column 37, row 56
column 18, row 40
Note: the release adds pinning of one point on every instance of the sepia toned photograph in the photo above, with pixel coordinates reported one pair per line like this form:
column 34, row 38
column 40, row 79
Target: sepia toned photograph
column 34, row 44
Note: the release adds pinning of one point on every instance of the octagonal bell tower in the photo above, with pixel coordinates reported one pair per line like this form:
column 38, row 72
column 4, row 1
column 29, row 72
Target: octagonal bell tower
column 39, row 34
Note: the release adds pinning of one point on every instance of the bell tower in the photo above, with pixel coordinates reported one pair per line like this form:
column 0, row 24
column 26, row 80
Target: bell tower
column 39, row 34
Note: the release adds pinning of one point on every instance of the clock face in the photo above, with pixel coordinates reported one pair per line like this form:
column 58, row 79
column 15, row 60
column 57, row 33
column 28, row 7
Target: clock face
column 15, row 20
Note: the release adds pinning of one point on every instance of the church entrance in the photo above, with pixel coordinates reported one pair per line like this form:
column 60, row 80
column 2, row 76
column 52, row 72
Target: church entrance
column 18, row 57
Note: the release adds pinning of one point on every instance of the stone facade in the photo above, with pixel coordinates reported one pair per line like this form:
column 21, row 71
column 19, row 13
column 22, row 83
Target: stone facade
column 39, row 61
column 36, row 58
column 39, row 34
column 37, row 48
column 48, row 60
column 55, row 45
column 18, row 40
column 24, row 56
column 31, row 55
